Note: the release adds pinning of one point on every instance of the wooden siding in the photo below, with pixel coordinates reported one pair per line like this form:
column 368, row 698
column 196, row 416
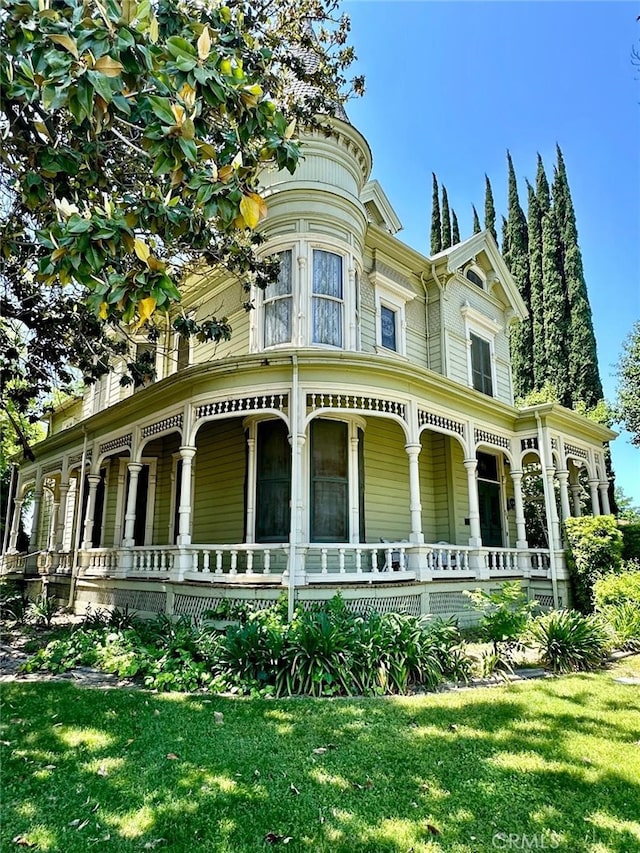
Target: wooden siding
column 386, row 490
column 219, row 470
column 112, row 466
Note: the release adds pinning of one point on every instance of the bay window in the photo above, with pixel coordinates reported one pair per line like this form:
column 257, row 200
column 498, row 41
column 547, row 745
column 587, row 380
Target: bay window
column 277, row 304
column 327, row 298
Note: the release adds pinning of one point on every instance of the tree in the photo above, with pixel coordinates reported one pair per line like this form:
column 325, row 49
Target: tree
column 628, row 399
column 476, row 220
column 584, row 373
column 556, row 319
column 436, row 225
column 455, row 228
column 489, row 209
column 446, row 220
column 134, row 135
column 516, row 255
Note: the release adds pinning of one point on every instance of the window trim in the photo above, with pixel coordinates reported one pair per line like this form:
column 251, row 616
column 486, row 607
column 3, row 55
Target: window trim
column 394, row 296
column 302, row 249
column 265, row 300
column 485, row 328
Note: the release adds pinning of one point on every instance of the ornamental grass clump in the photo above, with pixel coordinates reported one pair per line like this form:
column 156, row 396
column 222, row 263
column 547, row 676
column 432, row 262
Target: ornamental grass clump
column 570, row 641
column 617, row 599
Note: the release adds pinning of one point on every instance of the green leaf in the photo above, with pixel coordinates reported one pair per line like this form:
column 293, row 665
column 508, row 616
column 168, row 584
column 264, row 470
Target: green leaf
column 85, row 95
column 178, row 46
column 162, row 108
column 186, row 64
column 101, row 85
column 189, row 148
column 78, row 224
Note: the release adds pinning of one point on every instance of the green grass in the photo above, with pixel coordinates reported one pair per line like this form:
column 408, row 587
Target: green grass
column 555, row 761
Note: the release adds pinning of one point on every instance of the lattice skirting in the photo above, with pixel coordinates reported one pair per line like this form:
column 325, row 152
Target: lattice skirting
column 389, row 604
column 448, row 603
column 140, row 600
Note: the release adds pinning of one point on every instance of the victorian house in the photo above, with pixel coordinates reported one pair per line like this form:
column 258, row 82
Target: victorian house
column 357, row 433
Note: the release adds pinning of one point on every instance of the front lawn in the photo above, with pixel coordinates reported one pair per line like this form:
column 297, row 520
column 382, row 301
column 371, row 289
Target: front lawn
column 552, row 764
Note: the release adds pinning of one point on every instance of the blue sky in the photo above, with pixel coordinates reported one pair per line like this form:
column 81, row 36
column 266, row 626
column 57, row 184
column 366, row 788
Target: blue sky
column 452, row 85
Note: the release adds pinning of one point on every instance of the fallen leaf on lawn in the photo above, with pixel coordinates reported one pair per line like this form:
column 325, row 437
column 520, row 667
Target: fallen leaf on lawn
column 95, row 808
column 151, row 845
column 293, row 789
column 256, row 773
column 320, row 750
column 50, row 767
column 74, row 822
column 83, row 824
column 274, row 838
column 453, row 727
column 102, row 770
column 218, row 717
column 172, row 756
column 433, row 829
column 21, row 841
column 156, row 712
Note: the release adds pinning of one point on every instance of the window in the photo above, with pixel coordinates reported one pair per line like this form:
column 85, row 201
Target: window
column 481, row 365
column 277, row 304
column 329, row 481
column 327, row 298
column 182, row 353
column 273, row 482
column 388, row 327
column 474, row 278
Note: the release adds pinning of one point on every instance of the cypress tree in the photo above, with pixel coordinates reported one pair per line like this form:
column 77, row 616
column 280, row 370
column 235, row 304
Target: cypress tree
column 436, row 230
column 536, row 290
column 543, row 196
column 446, row 220
column 584, row 374
column 455, row 229
column 476, row 220
column 556, row 310
column 517, row 258
column 505, row 237
column 489, row 209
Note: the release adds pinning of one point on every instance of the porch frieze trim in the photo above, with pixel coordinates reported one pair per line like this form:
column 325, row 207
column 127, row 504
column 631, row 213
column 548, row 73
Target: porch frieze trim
column 426, row 418
column 116, row 443
column 355, row 402
column 236, row 405
column 52, row 466
column 483, row 436
column 77, row 457
column 572, row 450
column 168, row 423
column 530, row 443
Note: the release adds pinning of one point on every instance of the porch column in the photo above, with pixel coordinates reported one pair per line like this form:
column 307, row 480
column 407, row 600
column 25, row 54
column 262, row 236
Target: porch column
column 521, row 530
column 62, row 515
column 475, row 538
column 87, row 533
column 604, row 498
column 575, row 496
column 565, row 507
column 595, row 502
column 415, row 507
column 184, row 510
column 35, row 524
column 129, row 540
column 250, row 523
column 15, row 525
column 53, row 526
column 553, row 509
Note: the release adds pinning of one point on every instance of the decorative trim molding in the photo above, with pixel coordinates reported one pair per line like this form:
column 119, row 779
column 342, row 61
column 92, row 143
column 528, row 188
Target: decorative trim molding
column 357, row 402
column 431, row 419
column 117, row 443
column 174, row 421
column 529, row 443
column 483, row 436
column 235, row 405
column 572, row 450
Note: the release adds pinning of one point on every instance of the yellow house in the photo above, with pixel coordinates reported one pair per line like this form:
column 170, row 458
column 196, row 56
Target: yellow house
column 356, row 434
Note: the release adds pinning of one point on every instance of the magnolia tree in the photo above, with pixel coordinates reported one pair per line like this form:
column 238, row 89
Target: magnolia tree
column 133, row 137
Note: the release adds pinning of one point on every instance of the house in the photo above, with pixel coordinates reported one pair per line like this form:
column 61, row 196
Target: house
column 357, row 433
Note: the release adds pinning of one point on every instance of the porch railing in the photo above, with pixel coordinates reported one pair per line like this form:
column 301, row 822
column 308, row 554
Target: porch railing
column 334, row 562
column 13, row 564
column 245, row 561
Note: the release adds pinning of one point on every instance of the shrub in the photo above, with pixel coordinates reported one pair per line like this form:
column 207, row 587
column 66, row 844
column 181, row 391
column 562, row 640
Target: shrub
column 42, row 609
column 506, row 614
column 617, row 588
column 570, row 641
column 630, row 541
column 624, row 618
column 594, row 549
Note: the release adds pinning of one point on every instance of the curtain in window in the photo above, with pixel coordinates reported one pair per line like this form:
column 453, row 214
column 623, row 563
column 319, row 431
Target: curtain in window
column 277, row 304
column 327, row 298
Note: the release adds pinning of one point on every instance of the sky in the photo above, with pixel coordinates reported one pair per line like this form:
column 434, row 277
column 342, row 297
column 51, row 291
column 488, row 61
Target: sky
column 451, row 85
